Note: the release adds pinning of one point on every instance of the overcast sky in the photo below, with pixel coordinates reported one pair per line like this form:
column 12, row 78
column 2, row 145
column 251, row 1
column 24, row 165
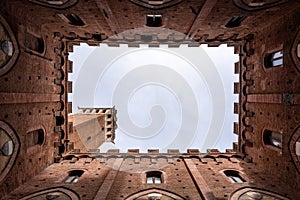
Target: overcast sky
column 166, row 98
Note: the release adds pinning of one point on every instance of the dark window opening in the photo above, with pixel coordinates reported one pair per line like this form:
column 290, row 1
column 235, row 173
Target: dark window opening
column 274, row 59
column 154, row 177
column 34, row 43
column 74, row 20
column 109, row 116
column 272, row 138
column 108, row 135
column 234, row 176
column 235, row 21
column 154, row 20
column 109, row 129
column 35, row 137
column 74, row 176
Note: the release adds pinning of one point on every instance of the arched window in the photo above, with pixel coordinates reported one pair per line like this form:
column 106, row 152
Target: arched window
column 272, row 138
column 7, row 47
column 274, row 59
column 60, row 4
column 35, row 137
column 154, row 177
column 234, row 176
column 74, row 176
column 7, row 148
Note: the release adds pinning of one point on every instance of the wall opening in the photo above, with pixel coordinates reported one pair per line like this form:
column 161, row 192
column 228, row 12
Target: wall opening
column 271, row 138
column 139, row 82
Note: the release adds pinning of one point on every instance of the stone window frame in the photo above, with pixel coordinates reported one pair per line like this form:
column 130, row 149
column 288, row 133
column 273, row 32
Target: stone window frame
column 241, row 191
column 153, row 190
column 73, row 195
column 68, row 4
column 11, row 133
column 10, row 64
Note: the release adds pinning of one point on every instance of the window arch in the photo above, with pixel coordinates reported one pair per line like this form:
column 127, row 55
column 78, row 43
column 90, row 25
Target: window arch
column 74, row 176
column 9, row 50
column 234, row 176
column 9, row 148
column 53, row 193
column 59, row 4
column 272, row 138
column 154, row 177
column 154, row 193
column 254, row 194
column 274, row 59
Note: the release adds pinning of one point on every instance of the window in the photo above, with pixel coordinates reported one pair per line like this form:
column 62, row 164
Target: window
column 298, row 50
column 272, row 138
column 7, row 47
column 235, row 21
column 7, row 148
column 74, row 176
column 274, row 59
column 297, row 148
column 34, row 43
column 35, row 137
column 154, row 177
column 154, row 20
column 155, row 2
column 55, row 2
column 234, row 176
column 72, row 19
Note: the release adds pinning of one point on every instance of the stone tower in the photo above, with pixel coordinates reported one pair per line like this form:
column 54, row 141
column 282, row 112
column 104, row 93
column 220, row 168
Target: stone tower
column 38, row 159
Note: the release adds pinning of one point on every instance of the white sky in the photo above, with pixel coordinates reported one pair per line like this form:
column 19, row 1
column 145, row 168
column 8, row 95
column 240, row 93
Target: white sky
column 166, row 98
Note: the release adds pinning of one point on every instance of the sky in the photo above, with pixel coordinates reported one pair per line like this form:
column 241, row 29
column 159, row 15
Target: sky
column 166, row 98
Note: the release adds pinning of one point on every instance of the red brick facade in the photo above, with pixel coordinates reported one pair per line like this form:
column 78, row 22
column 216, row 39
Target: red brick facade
column 36, row 37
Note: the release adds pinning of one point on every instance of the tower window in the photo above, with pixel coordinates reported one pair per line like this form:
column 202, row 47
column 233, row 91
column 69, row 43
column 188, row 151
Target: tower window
column 272, row 138
column 55, row 2
column 154, row 20
column 274, row 59
column 7, row 47
column 154, row 177
column 74, row 20
column 35, row 137
column 34, row 43
column 7, row 148
column 234, row 176
column 235, row 21
column 74, row 176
